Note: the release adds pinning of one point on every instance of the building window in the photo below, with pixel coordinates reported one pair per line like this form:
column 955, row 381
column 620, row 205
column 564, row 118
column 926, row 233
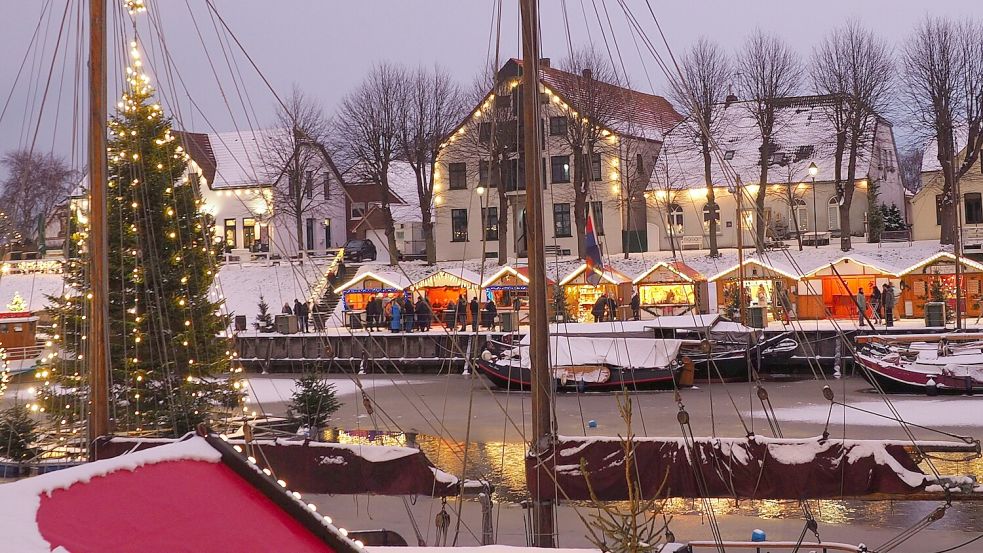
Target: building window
column 729, row 155
column 310, row 234
column 595, row 167
column 457, row 175
column 833, row 212
column 358, row 210
column 309, row 184
column 560, row 168
column 484, row 132
column 490, row 217
column 798, row 215
column 327, row 186
column 675, row 218
column 558, row 126
column 974, row 208
column 327, row 233
column 707, row 209
column 597, row 213
column 938, row 209
column 248, row 233
column 483, row 169
column 459, row 225
column 230, row 234
column 513, row 176
column 639, row 164
column 561, row 220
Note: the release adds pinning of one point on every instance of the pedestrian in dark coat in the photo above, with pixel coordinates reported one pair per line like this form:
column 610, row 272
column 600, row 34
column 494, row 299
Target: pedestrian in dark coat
column 491, row 311
column 887, row 298
column 475, row 313
column 461, row 313
column 612, row 308
column 299, row 313
column 422, row 314
column 598, row 309
column 636, row 306
column 286, row 309
column 409, row 315
column 875, row 303
column 371, row 314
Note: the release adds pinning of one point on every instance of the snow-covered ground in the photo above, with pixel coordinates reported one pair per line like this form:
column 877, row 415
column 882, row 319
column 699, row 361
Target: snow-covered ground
column 265, row 390
column 945, row 411
column 241, row 285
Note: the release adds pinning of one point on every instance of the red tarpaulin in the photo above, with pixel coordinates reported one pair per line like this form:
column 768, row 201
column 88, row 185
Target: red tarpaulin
column 758, row 468
column 332, row 468
column 193, row 495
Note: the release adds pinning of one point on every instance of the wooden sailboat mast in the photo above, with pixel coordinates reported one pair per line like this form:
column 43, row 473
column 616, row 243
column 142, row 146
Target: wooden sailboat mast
column 97, row 351
column 542, row 425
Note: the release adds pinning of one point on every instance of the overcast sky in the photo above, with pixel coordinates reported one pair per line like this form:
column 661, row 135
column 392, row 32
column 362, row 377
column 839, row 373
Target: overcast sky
column 325, row 47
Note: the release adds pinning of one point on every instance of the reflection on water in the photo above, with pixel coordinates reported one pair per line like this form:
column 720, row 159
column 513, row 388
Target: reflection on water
column 503, row 464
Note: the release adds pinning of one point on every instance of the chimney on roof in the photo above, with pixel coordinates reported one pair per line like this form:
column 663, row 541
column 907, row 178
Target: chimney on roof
column 544, row 62
column 731, row 98
column 587, row 73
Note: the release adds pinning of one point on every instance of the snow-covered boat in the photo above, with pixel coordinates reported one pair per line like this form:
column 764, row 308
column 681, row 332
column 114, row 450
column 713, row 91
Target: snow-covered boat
column 922, row 367
column 591, row 363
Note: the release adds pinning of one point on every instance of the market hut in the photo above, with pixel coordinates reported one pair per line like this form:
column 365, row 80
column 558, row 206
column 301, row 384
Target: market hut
column 367, row 284
column 766, row 286
column 672, row 288
column 934, row 279
column 580, row 295
column 509, row 284
column 830, row 290
column 443, row 288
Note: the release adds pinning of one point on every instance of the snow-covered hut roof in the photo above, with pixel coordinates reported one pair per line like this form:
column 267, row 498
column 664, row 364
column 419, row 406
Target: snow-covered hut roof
column 804, row 135
column 181, row 496
column 34, row 288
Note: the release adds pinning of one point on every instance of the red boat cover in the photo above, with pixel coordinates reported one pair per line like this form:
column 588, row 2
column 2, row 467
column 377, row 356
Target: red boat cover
column 757, row 468
column 332, row 468
column 177, row 497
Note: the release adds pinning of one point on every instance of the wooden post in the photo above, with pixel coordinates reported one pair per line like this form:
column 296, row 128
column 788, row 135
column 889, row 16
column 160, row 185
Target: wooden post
column 742, row 309
column 542, row 427
column 98, row 331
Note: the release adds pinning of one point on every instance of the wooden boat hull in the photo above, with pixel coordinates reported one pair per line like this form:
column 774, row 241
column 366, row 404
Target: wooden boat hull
column 895, row 379
column 518, row 378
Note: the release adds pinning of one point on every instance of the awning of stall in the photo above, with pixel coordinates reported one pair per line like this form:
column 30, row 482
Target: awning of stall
column 678, row 268
column 369, row 281
column 609, row 275
column 768, row 269
column 457, row 278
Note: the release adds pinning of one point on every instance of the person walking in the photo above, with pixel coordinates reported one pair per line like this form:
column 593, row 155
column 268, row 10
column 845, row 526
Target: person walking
column 598, row 309
column 461, row 313
column 422, row 314
column 636, row 306
column 409, row 315
column 491, row 312
column 612, row 308
column 475, row 313
column 887, row 298
column 861, row 305
column 875, row 303
column 396, row 315
column 297, row 314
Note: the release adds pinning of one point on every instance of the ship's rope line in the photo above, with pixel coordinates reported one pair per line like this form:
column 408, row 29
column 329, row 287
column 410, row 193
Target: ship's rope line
column 23, row 62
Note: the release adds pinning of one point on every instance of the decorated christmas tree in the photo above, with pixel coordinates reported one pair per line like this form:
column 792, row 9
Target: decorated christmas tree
column 17, row 304
column 165, row 328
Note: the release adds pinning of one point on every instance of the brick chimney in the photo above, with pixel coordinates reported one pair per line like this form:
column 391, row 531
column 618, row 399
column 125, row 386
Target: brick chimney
column 544, row 62
column 587, row 74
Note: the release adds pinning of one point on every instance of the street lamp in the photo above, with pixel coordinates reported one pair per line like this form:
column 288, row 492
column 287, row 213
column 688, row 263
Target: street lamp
column 813, row 171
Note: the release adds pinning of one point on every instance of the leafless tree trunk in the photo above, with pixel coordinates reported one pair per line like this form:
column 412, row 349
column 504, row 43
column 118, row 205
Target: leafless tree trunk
column 910, row 167
column 368, row 132
column 593, row 111
column 942, row 71
column 35, row 184
column 768, row 71
column 292, row 156
column 706, row 74
column 435, row 106
column 855, row 67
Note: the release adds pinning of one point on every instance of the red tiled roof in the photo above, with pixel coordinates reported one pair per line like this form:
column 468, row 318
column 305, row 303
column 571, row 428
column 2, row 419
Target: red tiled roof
column 199, row 148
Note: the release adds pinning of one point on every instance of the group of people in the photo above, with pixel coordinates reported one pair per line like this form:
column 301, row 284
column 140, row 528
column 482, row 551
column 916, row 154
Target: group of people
column 303, row 313
column 402, row 314
column 882, row 302
column 606, row 308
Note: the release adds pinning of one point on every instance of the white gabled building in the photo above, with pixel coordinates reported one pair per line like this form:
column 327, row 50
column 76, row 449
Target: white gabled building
column 366, row 218
column 677, row 195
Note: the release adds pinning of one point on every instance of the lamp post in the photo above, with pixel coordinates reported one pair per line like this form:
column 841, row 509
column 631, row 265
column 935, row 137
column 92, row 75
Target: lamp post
column 483, row 218
column 813, row 171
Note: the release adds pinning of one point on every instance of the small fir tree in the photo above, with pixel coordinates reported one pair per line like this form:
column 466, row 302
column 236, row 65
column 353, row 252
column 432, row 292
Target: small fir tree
column 936, row 290
column 893, row 219
column 18, row 434
column 264, row 321
column 313, row 402
column 164, row 323
column 17, row 304
column 732, row 301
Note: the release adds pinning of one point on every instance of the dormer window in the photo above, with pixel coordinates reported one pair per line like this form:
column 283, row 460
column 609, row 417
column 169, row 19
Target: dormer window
column 729, row 155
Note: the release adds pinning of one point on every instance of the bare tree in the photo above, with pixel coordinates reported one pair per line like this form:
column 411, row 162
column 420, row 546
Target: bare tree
column 768, row 70
column 293, row 156
column 435, row 106
column 706, row 75
column 593, row 112
column 666, row 188
column 854, row 66
column 35, row 185
column 910, row 167
column 493, row 137
column 942, row 70
column 368, row 132
column 791, row 195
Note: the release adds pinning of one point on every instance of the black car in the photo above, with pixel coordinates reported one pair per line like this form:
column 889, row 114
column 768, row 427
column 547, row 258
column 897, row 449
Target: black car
column 360, row 250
